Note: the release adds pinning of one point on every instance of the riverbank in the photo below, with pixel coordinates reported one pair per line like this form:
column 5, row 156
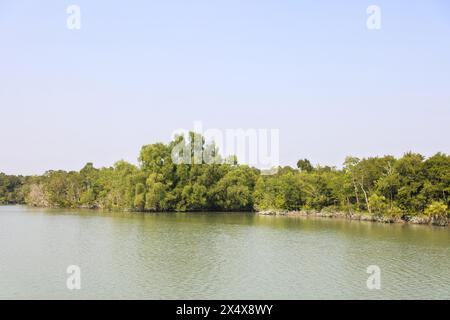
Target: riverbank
column 357, row 216
column 361, row 216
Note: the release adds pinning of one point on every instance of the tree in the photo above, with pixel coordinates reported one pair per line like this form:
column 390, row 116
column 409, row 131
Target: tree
column 437, row 183
column 234, row 191
column 351, row 172
column 305, row 165
column 139, row 197
column 157, row 190
column 280, row 192
column 412, row 178
column 11, row 189
column 378, row 204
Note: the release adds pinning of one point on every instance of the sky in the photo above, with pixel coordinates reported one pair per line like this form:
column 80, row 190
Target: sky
column 138, row 70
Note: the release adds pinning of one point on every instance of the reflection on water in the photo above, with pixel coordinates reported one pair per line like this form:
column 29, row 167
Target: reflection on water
column 216, row 256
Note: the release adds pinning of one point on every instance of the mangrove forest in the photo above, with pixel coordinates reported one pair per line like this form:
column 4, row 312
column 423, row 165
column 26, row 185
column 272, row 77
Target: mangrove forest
column 403, row 188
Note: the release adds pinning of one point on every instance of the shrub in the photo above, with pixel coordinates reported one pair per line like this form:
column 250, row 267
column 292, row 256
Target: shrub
column 437, row 210
column 378, row 204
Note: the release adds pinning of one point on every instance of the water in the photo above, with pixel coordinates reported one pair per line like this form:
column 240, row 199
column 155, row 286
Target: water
column 216, row 256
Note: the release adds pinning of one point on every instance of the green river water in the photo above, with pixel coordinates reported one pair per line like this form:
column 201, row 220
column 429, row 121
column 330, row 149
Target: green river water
column 216, row 256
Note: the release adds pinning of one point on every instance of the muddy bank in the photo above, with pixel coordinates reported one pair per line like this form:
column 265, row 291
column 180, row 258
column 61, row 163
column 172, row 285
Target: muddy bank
column 361, row 216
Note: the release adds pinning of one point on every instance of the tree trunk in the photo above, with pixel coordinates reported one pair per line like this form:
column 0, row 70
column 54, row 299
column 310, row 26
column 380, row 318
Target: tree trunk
column 356, row 193
column 367, row 199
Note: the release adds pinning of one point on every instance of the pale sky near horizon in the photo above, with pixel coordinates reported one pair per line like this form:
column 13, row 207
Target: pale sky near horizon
column 138, row 70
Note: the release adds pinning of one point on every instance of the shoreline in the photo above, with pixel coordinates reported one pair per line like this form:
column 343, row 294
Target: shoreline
column 352, row 216
column 358, row 216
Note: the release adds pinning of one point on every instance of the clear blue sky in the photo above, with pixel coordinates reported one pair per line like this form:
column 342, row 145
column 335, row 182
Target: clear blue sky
column 137, row 70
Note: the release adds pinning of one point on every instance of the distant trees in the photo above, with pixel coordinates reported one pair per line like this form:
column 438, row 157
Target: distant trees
column 234, row 190
column 381, row 186
column 284, row 191
column 11, row 189
column 305, row 165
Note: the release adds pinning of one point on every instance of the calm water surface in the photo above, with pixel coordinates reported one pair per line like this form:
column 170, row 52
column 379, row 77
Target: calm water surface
column 216, row 256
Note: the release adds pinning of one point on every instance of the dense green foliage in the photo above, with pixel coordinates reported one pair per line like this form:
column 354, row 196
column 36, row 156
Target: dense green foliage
column 380, row 185
column 11, row 189
column 384, row 186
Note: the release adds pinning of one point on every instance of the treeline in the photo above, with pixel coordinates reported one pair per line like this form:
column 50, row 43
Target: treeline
column 385, row 186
